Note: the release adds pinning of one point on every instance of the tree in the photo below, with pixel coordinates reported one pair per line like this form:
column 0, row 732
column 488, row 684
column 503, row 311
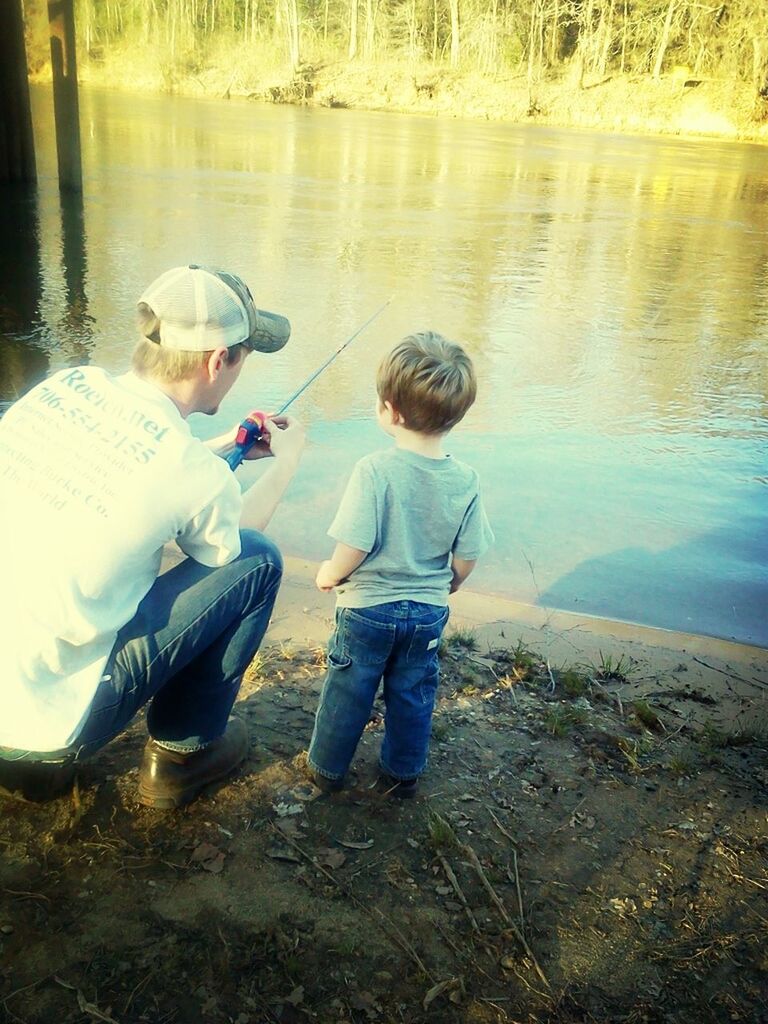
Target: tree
column 455, row 42
column 353, row 12
column 664, row 40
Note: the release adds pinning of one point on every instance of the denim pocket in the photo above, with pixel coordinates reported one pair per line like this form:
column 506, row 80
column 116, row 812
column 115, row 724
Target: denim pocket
column 425, row 641
column 337, row 656
column 366, row 639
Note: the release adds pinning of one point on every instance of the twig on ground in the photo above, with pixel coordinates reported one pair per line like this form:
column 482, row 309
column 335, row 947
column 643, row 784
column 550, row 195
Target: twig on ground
column 743, row 878
column 464, row 954
column 451, row 943
column 501, row 828
column 541, row 995
column 482, row 662
column 17, row 991
column 671, row 735
column 21, row 895
column 551, row 678
column 139, row 987
column 732, row 675
column 371, row 911
column 459, row 892
column 475, row 861
column 752, row 910
column 568, row 819
column 519, row 894
column 85, row 1007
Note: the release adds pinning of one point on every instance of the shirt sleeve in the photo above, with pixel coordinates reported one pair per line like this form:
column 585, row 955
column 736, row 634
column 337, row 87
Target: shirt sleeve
column 212, row 537
column 475, row 535
column 356, row 520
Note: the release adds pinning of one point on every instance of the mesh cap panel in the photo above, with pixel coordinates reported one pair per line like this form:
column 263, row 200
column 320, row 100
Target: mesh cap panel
column 200, row 308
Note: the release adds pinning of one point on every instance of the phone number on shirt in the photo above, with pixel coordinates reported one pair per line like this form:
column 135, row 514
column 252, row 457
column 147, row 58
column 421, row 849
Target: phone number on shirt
column 113, row 437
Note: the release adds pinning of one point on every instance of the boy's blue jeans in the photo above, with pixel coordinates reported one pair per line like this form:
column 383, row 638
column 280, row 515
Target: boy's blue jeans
column 185, row 650
column 395, row 642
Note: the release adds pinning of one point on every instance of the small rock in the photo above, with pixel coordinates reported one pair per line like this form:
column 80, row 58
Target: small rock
column 7, row 929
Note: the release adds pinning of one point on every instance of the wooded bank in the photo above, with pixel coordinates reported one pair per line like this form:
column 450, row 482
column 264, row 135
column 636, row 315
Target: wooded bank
column 548, row 49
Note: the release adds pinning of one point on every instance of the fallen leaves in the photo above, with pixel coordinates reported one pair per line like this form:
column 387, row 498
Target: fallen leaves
column 356, row 844
column 453, row 986
column 331, row 858
column 209, row 857
column 85, row 1007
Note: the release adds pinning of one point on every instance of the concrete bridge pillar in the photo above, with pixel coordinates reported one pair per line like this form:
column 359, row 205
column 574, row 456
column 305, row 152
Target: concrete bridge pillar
column 17, row 148
column 61, row 18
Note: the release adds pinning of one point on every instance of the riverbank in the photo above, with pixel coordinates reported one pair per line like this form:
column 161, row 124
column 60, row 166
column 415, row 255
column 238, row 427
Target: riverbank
column 588, row 844
column 675, row 104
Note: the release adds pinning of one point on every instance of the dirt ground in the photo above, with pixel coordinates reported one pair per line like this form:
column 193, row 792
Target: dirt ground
column 589, row 844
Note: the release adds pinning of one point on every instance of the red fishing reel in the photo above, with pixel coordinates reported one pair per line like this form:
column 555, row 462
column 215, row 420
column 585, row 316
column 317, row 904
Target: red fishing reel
column 251, row 429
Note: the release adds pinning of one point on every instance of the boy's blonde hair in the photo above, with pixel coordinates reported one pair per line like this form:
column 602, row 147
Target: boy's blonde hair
column 429, row 381
column 151, row 359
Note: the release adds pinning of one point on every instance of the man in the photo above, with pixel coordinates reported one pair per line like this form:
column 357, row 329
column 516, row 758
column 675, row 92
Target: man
column 97, row 474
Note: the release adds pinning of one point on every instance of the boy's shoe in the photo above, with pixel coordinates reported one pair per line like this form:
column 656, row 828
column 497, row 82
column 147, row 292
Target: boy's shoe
column 170, row 778
column 35, row 781
column 324, row 784
column 403, row 789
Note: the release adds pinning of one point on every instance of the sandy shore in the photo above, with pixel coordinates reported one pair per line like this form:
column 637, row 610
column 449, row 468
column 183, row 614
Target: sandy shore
column 660, row 659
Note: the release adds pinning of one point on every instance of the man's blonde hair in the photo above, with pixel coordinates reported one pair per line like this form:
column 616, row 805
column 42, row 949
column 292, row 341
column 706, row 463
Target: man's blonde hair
column 429, row 381
column 169, row 365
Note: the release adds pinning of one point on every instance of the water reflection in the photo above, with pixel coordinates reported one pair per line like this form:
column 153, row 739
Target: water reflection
column 31, row 338
column 23, row 361
column 77, row 323
column 612, row 292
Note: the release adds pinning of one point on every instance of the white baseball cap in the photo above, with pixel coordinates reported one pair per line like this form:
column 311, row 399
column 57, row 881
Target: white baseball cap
column 200, row 308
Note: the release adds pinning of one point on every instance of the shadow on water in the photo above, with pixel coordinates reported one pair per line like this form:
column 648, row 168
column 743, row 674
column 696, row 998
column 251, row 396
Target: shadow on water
column 27, row 341
column 76, row 323
column 23, row 361
column 635, row 584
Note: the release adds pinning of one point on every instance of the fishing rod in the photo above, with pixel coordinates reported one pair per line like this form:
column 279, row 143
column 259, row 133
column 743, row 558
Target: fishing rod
column 251, row 430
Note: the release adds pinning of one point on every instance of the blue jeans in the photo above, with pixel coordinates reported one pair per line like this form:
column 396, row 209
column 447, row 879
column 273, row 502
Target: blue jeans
column 397, row 643
column 185, row 650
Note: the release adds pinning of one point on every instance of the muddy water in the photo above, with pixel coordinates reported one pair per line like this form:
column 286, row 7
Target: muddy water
column 612, row 291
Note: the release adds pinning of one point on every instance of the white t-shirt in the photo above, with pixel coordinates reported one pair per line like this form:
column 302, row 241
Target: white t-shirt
column 97, row 473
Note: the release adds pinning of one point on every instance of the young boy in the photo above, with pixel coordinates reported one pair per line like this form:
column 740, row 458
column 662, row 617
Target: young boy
column 410, row 528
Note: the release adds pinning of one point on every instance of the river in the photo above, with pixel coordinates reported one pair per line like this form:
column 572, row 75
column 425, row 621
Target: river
column 612, row 291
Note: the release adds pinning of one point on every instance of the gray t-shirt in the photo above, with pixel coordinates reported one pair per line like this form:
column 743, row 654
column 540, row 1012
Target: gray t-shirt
column 410, row 513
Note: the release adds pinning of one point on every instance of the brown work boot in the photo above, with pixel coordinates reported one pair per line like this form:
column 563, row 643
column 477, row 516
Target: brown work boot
column 169, row 778
column 35, row 781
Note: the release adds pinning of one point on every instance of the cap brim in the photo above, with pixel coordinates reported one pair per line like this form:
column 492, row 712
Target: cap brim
column 270, row 331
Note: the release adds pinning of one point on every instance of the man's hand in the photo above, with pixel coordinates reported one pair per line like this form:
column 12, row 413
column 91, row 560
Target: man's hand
column 326, row 580
column 284, row 437
column 272, row 433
